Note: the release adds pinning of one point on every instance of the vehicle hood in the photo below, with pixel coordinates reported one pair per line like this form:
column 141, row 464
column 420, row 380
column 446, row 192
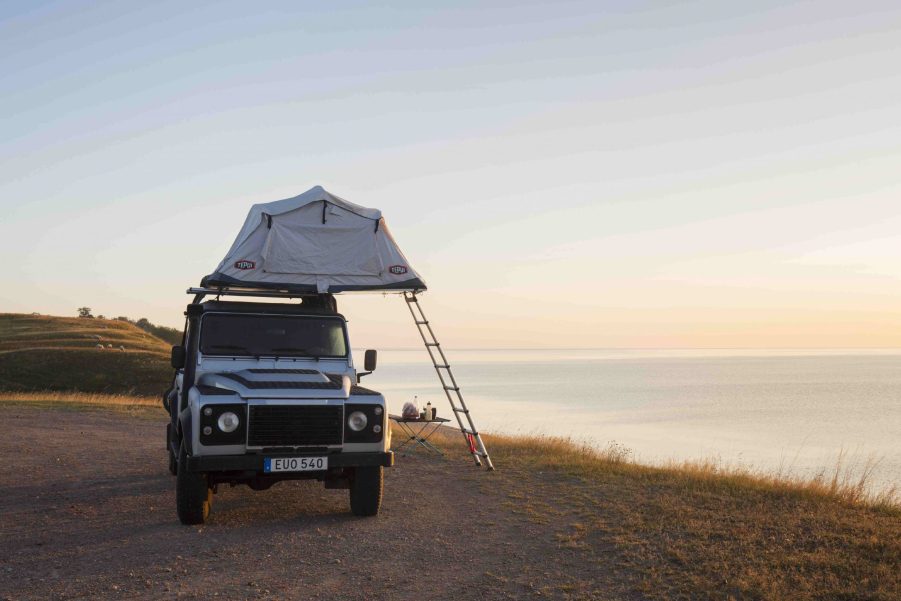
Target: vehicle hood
column 280, row 383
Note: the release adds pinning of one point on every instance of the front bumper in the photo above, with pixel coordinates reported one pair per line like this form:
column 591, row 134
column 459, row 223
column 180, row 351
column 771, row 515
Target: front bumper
column 254, row 463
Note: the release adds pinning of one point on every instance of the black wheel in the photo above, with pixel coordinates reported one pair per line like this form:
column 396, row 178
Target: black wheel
column 366, row 491
column 173, row 460
column 193, row 495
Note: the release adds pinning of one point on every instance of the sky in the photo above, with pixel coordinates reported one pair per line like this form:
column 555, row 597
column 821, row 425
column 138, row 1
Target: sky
column 562, row 174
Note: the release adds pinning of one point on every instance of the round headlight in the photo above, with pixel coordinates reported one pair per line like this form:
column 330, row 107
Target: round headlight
column 228, row 422
column 357, row 421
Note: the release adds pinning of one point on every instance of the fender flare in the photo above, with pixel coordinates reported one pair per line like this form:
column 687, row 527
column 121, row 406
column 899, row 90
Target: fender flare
column 170, row 398
column 184, row 429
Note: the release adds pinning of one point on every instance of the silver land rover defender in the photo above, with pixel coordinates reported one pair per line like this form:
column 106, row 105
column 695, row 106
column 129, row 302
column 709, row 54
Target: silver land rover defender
column 265, row 392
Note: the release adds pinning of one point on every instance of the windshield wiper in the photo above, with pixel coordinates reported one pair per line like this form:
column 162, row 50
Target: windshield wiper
column 294, row 349
column 230, row 347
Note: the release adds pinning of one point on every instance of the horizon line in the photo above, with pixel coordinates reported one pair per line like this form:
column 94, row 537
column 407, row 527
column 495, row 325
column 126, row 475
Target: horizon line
column 658, row 348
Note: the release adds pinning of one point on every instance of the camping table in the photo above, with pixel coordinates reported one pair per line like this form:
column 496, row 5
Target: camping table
column 419, row 432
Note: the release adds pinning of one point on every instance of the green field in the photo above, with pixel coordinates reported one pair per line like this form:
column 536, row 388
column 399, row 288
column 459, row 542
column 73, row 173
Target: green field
column 39, row 352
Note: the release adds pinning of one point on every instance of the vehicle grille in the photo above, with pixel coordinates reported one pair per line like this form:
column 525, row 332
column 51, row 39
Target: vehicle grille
column 295, row 425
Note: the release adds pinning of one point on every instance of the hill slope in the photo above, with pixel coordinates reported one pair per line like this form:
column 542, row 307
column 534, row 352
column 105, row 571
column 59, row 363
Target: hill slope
column 39, row 352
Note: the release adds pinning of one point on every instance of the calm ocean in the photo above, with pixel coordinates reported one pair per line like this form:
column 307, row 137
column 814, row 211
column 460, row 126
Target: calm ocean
column 792, row 411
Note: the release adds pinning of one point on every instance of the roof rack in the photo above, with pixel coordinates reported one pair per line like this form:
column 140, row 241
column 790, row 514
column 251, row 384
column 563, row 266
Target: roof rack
column 200, row 293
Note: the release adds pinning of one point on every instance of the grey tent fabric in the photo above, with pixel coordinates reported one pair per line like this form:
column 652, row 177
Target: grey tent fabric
column 315, row 243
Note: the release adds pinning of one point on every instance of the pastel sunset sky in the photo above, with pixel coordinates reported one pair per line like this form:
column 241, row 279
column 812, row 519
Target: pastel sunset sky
column 563, row 174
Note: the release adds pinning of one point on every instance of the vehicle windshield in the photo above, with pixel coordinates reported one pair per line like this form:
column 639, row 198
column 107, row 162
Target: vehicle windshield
column 272, row 335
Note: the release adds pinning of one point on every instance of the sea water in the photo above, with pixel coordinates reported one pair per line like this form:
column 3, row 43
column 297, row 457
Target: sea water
column 795, row 412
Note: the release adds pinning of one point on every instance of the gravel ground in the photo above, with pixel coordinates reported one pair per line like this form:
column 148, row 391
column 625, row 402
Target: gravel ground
column 87, row 511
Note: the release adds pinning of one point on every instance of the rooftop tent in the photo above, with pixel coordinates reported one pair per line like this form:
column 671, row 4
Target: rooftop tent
column 315, row 243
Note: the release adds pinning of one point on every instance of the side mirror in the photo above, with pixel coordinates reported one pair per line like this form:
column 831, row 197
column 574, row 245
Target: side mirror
column 178, row 357
column 370, row 359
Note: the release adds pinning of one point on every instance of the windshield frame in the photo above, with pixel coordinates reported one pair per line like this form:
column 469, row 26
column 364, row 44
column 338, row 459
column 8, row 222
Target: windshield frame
column 286, row 355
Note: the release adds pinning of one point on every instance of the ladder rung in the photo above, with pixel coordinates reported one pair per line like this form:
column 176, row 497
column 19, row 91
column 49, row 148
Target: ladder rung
column 476, row 446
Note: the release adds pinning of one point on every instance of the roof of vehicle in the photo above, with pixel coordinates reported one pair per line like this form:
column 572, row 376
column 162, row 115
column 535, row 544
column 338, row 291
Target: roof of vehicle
column 212, row 306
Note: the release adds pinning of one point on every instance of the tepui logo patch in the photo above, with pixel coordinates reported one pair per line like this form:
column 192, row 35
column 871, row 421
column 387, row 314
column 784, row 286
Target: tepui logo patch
column 245, row 264
column 397, row 269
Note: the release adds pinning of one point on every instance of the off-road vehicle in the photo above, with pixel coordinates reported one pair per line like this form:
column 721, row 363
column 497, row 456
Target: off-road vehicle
column 265, row 392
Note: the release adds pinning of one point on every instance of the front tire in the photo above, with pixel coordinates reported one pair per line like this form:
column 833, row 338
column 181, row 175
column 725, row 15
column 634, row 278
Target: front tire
column 366, row 488
column 193, row 494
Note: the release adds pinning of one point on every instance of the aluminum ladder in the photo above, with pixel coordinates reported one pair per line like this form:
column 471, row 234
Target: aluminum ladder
column 448, row 382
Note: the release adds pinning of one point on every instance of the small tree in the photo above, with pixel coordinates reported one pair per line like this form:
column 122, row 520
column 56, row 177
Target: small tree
column 85, row 312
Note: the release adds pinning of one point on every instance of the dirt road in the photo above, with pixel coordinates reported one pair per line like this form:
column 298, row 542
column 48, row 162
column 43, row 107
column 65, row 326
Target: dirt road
column 87, row 511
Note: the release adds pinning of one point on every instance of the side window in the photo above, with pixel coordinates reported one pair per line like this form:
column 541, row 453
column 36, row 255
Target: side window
column 335, row 340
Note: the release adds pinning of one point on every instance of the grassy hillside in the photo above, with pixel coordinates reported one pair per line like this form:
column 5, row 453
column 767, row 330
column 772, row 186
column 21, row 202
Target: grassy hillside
column 39, row 352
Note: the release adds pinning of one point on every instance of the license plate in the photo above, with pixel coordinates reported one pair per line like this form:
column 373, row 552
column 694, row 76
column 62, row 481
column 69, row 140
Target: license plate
column 294, row 464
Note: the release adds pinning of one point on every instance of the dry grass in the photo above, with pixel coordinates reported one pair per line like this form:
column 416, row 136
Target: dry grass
column 702, row 530
column 81, row 398
column 134, row 405
column 844, row 482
